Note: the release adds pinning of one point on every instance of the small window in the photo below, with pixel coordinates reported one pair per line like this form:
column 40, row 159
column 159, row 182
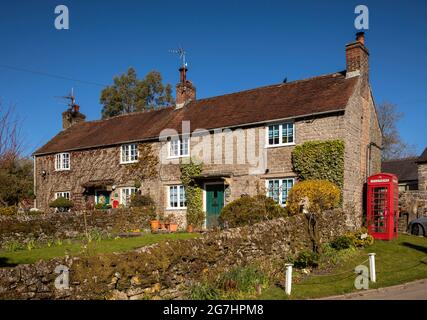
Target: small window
column 129, row 153
column 177, row 197
column 62, row 161
column 281, row 134
column 278, row 189
column 65, row 195
column 126, row 194
column 179, row 147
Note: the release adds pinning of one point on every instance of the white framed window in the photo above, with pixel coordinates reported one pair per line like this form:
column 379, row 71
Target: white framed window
column 179, row 147
column 280, row 134
column 62, row 161
column 176, row 197
column 129, row 153
column 278, row 189
column 125, row 195
column 64, row 194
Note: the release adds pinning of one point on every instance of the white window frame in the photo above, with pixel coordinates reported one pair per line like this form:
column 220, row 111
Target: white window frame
column 62, row 161
column 267, row 182
column 63, row 194
column 281, row 143
column 179, row 190
column 128, row 148
column 131, row 191
column 180, row 141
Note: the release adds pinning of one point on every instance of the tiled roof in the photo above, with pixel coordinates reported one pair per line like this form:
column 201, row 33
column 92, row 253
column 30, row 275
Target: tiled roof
column 316, row 95
column 423, row 156
column 405, row 169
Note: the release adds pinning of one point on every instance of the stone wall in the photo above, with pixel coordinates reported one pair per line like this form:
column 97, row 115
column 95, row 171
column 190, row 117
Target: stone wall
column 23, row 228
column 422, row 176
column 412, row 205
column 168, row 269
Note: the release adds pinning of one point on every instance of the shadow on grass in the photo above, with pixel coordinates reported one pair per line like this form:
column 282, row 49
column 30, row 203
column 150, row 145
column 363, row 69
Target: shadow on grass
column 4, row 263
column 415, row 247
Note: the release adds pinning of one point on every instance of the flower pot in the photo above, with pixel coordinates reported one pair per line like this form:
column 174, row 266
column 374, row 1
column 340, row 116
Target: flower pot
column 154, row 224
column 173, row 227
column 166, row 225
column 190, row 228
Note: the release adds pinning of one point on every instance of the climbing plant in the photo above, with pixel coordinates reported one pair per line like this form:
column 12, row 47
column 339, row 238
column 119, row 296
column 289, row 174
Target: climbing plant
column 193, row 192
column 320, row 160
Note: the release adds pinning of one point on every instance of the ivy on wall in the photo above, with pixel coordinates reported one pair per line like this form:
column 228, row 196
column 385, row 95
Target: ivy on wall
column 193, row 192
column 320, row 160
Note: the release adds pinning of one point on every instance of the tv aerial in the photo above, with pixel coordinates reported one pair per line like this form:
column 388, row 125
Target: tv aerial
column 70, row 98
column 182, row 53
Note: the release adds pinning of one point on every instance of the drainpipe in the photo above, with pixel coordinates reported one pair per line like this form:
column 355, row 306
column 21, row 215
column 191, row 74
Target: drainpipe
column 369, row 157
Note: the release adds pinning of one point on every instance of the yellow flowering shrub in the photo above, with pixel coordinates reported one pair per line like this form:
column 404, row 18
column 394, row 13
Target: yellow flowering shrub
column 8, row 211
column 322, row 195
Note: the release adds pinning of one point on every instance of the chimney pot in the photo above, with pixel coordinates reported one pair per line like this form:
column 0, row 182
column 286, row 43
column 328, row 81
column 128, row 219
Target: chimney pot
column 360, row 37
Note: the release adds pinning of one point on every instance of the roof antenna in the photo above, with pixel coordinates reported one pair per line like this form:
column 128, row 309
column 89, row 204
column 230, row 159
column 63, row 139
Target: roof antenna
column 181, row 52
column 71, row 99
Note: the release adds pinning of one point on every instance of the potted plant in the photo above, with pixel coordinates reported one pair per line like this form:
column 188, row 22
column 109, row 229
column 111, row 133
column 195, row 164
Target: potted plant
column 155, row 225
column 173, row 227
column 190, row 228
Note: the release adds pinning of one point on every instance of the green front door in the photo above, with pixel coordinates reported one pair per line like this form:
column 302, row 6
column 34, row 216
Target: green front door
column 214, row 203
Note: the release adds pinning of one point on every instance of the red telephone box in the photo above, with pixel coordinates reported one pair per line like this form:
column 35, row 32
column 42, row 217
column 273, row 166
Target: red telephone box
column 382, row 201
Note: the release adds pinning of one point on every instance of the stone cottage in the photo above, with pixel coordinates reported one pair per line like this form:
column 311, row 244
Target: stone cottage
column 244, row 139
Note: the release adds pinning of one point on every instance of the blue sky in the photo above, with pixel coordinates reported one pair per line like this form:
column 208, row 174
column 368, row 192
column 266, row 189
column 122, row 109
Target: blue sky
column 232, row 46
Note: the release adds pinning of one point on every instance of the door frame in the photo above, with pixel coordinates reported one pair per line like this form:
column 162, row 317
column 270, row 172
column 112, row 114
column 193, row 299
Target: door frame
column 205, row 199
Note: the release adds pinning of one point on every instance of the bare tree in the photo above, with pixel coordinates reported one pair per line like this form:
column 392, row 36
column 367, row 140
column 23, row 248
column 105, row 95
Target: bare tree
column 10, row 141
column 393, row 145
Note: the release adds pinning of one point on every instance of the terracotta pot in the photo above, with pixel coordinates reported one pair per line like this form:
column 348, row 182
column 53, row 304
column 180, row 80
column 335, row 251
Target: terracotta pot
column 161, row 225
column 166, row 225
column 173, row 227
column 190, row 228
column 154, row 224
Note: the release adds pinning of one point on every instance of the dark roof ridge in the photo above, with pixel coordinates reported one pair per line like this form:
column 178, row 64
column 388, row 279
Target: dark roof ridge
column 276, row 85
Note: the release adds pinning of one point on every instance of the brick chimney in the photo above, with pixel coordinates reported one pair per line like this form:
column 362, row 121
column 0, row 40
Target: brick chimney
column 185, row 91
column 72, row 116
column 357, row 57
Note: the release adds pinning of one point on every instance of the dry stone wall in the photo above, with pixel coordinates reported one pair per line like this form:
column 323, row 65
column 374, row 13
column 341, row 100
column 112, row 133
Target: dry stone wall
column 24, row 228
column 168, row 269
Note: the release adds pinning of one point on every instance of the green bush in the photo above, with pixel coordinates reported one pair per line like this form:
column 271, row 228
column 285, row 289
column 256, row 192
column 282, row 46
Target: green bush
column 306, row 259
column 204, row 291
column 102, row 206
column 320, row 160
column 322, row 195
column 138, row 200
column 243, row 279
column 62, row 204
column 249, row 210
column 8, row 211
column 342, row 242
column 361, row 238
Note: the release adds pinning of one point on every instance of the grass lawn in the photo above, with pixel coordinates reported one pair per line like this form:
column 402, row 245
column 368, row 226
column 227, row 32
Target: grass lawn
column 103, row 246
column 397, row 261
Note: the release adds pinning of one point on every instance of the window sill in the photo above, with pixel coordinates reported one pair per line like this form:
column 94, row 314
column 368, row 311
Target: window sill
column 129, row 162
column 175, row 209
column 58, row 170
column 177, row 157
column 279, row 145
